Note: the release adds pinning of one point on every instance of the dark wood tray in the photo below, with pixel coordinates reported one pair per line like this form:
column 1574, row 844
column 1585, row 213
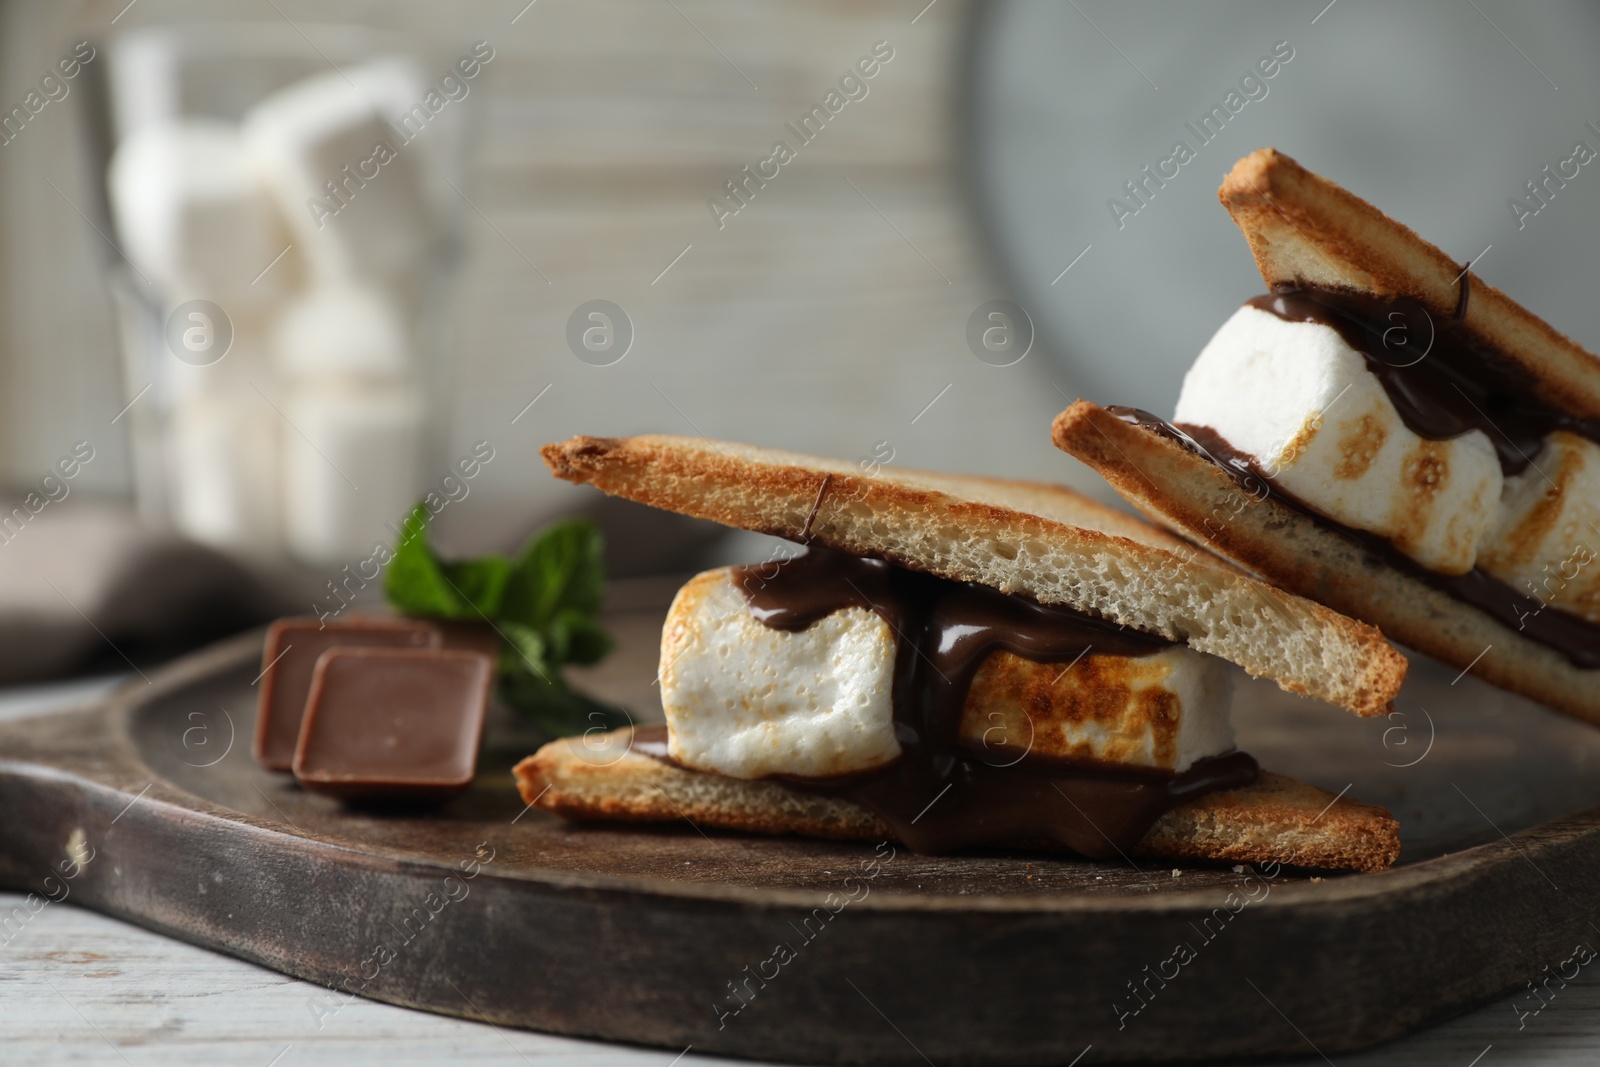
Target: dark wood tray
column 641, row 934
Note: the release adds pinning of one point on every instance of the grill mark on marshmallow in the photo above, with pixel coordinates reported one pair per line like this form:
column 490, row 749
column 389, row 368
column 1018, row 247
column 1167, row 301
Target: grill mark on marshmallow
column 1016, row 703
column 1424, row 473
column 1520, row 544
column 1297, row 445
column 1509, row 601
column 1359, row 444
column 1546, row 546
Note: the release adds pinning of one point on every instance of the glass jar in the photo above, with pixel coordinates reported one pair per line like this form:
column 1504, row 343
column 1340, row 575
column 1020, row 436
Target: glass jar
column 286, row 220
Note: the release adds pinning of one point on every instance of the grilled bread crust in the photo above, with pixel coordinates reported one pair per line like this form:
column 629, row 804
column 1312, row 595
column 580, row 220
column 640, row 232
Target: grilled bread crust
column 1198, row 499
column 1306, row 231
column 1274, row 820
column 1039, row 540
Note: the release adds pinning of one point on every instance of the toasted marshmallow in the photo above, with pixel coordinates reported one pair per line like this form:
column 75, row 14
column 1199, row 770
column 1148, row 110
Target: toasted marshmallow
column 1162, row 711
column 1302, row 402
column 747, row 701
column 1547, row 538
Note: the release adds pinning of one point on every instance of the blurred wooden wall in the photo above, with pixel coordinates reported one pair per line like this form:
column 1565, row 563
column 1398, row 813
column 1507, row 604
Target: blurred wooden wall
column 825, row 316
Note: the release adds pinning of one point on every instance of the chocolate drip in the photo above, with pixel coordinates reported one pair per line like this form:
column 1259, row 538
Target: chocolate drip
column 651, row 739
column 1443, row 379
column 940, row 795
column 1571, row 635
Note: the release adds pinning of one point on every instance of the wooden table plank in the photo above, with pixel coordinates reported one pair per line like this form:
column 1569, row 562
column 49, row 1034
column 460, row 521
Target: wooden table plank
column 82, row 988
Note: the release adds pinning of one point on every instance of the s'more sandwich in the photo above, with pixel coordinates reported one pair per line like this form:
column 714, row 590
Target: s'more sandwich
column 957, row 661
column 1387, row 435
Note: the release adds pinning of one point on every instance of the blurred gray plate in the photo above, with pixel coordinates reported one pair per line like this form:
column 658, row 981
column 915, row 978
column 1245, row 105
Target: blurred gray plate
column 1437, row 112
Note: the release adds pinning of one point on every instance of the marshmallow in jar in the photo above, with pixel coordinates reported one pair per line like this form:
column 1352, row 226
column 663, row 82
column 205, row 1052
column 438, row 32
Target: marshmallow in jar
column 353, row 457
column 224, row 454
column 194, row 214
column 351, row 188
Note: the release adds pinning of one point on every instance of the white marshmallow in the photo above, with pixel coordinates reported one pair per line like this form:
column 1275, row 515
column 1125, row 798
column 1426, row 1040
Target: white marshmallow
column 393, row 86
column 341, row 329
column 223, row 464
column 351, row 189
column 1204, row 687
column 161, row 72
column 245, row 369
column 1547, row 539
column 1302, row 402
column 745, row 700
column 144, row 73
column 352, row 461
column 193, row 214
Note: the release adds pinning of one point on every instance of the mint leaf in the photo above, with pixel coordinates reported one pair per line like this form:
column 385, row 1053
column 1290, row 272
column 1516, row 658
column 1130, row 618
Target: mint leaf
column 479, row 583
column 558, row 710
column 545, row 603
column 414, row 583
column 579, row 638
column 561, row 568
column 526, row 652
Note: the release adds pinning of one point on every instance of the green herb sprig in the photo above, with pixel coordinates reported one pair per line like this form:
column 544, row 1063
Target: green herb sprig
column 544, row 602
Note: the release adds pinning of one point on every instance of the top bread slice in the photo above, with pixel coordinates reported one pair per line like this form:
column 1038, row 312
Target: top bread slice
column 1042, row 541
column 1306, row 231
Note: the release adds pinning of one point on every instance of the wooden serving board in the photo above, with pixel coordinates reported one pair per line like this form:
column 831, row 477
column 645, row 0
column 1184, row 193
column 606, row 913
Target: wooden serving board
column 840, row 953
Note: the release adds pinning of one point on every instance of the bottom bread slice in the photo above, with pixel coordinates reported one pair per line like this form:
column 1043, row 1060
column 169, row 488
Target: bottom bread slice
column 1275, row 820
column 1199, row 500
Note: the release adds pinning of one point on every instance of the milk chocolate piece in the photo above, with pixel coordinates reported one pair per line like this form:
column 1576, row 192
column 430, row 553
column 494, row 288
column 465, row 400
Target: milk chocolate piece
column 471, row 635
column 289, row 658
column 393, row 724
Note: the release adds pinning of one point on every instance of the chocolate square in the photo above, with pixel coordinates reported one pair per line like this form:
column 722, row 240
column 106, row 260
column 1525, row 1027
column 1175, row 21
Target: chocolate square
column 471, row 635
column 289, row 659
column 393, row 724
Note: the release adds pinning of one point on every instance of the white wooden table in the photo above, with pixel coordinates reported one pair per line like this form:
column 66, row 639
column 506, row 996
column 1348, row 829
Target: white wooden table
column 77, row 987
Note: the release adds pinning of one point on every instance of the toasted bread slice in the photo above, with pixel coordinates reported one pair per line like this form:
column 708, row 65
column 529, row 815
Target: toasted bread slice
column 1275, row 820
column 1305, row 230
column 1197, row 498
column 1039, row 540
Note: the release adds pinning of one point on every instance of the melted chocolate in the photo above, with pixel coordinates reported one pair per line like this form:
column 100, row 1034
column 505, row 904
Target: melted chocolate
column 1573, row 636
column 1443, row 379
column 940, row 795
column 650, row 739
